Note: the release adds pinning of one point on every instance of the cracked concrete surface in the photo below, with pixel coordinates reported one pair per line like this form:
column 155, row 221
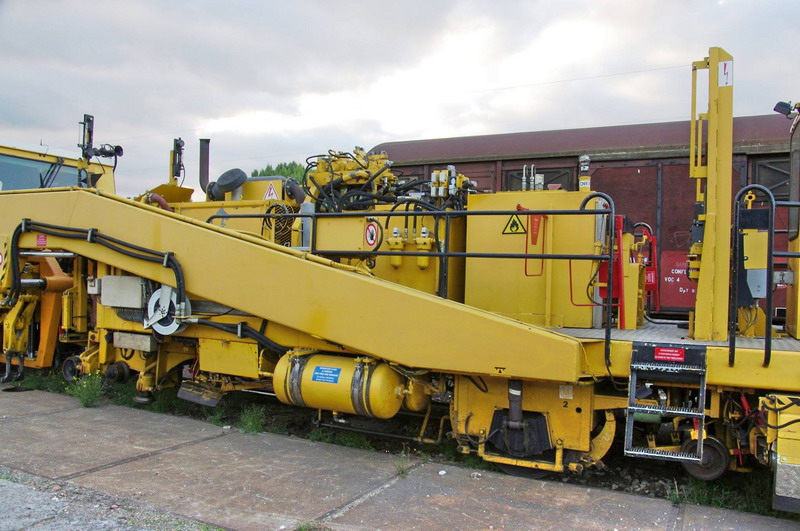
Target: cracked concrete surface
column 120, row 468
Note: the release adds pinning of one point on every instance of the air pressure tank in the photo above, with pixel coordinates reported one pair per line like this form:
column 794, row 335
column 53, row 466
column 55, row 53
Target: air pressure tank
column 341, row 384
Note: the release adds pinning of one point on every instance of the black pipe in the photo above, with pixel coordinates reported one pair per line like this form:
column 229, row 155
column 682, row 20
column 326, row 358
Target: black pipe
column 294, row 190
column 368, row 432
column 515, row 405
column 454, row 254
column 205, row 144
column 446, row 213
column 733, row 281
column 444, row 268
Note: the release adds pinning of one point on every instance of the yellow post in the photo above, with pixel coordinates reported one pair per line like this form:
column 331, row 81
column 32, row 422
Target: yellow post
column 713, row 252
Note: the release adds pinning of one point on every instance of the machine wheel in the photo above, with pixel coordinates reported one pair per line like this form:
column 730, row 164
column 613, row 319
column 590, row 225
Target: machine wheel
column 715, row 459
column 143, row 397
column 70, row 369
column 118, row 372
column 522, row 471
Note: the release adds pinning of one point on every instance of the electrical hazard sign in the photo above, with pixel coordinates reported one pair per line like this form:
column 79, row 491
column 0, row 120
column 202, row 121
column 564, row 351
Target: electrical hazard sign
column 514, row 226
column 271, row 193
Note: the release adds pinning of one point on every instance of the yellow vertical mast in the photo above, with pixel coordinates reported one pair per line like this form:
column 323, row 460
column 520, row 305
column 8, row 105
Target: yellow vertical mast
column 710, row 255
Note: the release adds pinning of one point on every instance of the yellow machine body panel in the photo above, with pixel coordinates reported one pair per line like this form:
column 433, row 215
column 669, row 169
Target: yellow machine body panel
column 262, row 188
column 224, row 356
column 422, row 273
column 344, row 234
column 562, row 404
column 542, row 292
column 783, row 433
column 748, row 372
column 399, row 234
column 243, row 216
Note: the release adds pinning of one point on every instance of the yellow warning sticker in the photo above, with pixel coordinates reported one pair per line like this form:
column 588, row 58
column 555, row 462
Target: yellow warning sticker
column 514, row 226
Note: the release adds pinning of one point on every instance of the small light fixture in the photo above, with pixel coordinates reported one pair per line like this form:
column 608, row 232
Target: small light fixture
column 784, row 107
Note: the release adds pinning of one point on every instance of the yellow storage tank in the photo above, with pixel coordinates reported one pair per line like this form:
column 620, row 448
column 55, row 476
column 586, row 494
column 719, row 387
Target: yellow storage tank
column 341, row 384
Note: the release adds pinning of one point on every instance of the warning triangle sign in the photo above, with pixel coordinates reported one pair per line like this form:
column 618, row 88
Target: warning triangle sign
column 271, row 193
column 514, row 226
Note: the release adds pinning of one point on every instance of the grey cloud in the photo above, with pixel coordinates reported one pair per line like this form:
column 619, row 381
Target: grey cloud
column 151, row 70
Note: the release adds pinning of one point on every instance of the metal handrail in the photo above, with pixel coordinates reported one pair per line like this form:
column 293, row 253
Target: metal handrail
column 734, row 280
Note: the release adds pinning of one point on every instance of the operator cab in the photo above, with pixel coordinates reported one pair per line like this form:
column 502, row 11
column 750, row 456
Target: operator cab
column 21, row 169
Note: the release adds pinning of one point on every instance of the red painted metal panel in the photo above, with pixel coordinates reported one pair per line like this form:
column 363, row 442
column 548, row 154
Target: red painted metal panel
column 677, row 291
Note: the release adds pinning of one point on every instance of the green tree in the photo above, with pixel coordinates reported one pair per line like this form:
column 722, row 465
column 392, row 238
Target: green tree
column 287, row 169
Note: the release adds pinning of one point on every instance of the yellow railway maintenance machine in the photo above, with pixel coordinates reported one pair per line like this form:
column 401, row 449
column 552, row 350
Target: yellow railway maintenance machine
column 522, row 315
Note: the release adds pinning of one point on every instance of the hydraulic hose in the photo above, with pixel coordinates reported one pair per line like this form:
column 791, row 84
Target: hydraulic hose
column 92, row 236
column 242, row 330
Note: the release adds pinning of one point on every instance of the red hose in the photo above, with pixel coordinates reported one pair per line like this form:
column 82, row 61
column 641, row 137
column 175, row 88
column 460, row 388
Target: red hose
column 160, row 201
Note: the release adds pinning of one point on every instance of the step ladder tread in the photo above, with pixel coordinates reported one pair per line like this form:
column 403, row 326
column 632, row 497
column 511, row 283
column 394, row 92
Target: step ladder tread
column 662, row 454
column 688, row 372
column 669, row 367
column 677, row 411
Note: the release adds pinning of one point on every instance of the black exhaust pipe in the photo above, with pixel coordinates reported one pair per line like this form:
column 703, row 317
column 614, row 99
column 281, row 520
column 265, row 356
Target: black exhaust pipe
column 204, row 151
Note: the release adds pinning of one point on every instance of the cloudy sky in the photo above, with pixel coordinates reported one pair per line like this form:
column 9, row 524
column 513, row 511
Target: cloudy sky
column 271, row 81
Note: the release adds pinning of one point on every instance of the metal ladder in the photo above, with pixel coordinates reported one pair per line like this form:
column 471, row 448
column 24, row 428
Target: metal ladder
column 693, row 370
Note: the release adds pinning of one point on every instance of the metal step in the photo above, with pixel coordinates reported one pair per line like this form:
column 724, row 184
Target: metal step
column 669, row 367
column 690, row 372
column 662, row 454
column 671, row 411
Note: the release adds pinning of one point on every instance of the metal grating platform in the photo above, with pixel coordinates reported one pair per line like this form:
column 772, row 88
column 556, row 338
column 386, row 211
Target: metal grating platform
column 668, row 333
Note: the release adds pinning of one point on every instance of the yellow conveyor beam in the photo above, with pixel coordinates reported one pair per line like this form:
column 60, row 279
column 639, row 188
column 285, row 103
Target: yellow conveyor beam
column 300, row 291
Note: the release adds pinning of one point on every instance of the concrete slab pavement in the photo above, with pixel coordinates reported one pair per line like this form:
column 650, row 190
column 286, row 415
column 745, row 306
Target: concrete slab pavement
column 239, row 481
column 245, row 481
column 67, row 439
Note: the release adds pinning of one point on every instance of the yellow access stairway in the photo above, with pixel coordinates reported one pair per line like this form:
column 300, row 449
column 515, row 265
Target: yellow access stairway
column 297, row 290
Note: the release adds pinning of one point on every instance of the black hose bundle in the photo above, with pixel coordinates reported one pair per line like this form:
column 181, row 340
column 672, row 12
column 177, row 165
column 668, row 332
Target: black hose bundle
column 92, row 236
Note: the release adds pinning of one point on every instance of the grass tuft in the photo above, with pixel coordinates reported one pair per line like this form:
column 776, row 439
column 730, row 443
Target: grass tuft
column 43, row 380
column 312, row 526
column 321, row 435
column 252, row 418
column 216, row 416
column 748, row 493
column 353, row 440
column 88, row 389
column 401, row 467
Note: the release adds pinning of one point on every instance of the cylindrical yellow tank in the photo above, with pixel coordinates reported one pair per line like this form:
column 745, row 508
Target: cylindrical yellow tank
column 416, row 398
column 338, row 383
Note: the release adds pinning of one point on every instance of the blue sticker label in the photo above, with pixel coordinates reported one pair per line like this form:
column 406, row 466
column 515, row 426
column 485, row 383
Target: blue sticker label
column 326, row 375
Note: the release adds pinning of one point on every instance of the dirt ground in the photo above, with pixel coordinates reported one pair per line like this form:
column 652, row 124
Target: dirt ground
column 31, row 502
